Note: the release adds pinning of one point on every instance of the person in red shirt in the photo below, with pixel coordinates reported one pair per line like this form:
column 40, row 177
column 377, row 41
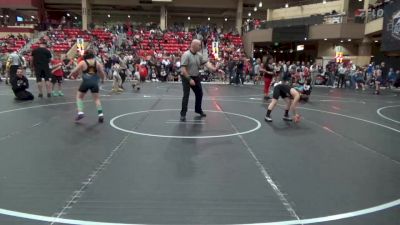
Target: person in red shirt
column 57, row 75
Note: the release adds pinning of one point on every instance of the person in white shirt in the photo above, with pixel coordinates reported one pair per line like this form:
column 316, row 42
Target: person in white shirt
column 342, row 76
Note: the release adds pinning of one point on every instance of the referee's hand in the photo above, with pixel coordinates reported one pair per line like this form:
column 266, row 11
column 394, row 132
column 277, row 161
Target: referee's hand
column 192, row 83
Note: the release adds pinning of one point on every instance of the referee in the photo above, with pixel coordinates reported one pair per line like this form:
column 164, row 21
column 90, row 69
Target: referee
column 191, row 62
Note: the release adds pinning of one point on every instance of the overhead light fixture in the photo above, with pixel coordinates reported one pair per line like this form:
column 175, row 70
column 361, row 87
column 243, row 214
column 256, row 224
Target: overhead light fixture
column 76, row 17
column 341, row 41
column 261, row 50
column 287, row 5
column 255, row 9
column 129, row 16
column 108, row 15
column 33, row 17
column 209, row 18
column 349, row 39
column 248, row 20
column 281, row 51
column 376, row 41
column 305, row 38
column 68, row 15
column 360, row 0
column 226, row 19
column 7, row 16
column 274, row 51
column 249, row 14
column 324, row 2
column 260, row 4
column 188, row 17
column 1, row 16
column 325, row 39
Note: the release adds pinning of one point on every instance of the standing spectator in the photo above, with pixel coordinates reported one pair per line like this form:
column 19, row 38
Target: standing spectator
column 239, row 72
column 342, row 76
column 378, row 80
column 41, row 59
column 359, row 77
column 314, row 73
column 391, row 78
column 257, row 71
column 19, row 85
column 268, row 75
column 385, row 73
column 57, row 76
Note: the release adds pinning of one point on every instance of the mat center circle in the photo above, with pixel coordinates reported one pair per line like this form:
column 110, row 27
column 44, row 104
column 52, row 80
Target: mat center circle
column 191, row 129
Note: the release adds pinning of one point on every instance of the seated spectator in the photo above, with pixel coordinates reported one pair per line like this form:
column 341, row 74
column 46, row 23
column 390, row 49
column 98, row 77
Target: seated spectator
column 19, row 85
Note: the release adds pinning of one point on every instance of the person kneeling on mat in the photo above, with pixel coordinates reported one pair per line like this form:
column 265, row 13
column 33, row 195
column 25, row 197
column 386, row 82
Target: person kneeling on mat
column 291, row 96
column 19, row 85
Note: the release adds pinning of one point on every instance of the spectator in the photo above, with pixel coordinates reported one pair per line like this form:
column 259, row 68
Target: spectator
column 41, row 59
column 19, row 85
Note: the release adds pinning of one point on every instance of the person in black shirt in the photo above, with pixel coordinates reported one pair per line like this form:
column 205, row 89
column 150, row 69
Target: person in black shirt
column 239, row 72
column 19, row 85
column 41, row 59
column 385, row 72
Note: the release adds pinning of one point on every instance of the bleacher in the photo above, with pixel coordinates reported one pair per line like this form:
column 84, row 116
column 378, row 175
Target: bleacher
column 169, row 43
column 11, row 44
column 65, row 39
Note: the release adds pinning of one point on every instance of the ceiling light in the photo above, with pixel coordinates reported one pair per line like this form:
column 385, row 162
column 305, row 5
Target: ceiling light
column 324, row 2
column 226, row 19
column 76, row 17
column 341, row 41
column 325, row 39
column 68, row 14
column 274, row 51
column 33, row 17
column 209, row 18
column 108, row 15
column 129, row 16
column 305, row 38
column 376, row 41
column 7, row 16
column 255, row 9
column 287, row 5
column 349, row 40
column 249, row 14
column 260, row 4
column 188, row 17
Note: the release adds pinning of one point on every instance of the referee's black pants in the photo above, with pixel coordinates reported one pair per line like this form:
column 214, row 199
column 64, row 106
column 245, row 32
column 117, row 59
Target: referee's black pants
column 198, row 91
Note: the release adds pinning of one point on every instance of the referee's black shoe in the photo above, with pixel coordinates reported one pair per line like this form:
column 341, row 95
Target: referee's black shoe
column 202, row 114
